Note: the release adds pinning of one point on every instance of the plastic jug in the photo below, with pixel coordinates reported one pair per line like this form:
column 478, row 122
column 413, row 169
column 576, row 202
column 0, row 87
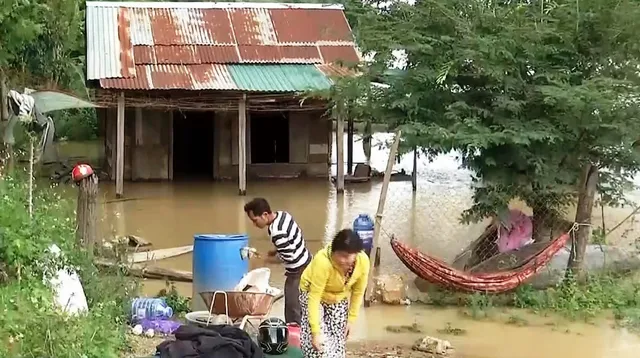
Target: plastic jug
column 150, row 308
column 294, row 334
column 364, row 227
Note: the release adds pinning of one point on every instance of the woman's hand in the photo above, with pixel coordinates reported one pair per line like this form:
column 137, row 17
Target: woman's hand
column 272, row 253
column 347, row 331
column 316, row 342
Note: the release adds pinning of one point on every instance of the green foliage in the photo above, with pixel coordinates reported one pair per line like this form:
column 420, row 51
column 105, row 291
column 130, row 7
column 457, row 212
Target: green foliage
column 76, row 125
column 23, row 241
column 528, row 92
column 31, row 326
column 586, row 301
column 180, row 304
column 43, row 48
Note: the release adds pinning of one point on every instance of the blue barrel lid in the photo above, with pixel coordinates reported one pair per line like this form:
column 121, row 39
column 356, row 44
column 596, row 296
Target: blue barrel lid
column 220, row 237
column 363, row 219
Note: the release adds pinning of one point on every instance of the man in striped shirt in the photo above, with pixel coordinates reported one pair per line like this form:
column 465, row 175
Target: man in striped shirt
column 289, row 244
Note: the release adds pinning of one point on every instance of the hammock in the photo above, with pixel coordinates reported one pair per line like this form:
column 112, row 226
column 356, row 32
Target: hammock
column 435, row 271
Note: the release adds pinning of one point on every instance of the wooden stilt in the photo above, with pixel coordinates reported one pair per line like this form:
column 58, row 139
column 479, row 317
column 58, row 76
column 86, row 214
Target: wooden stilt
column 242, row 145
column 120, row 147
column 414, row 175
column 350, row 130
column 366, row 141
column 171, row 149
column 340, row 150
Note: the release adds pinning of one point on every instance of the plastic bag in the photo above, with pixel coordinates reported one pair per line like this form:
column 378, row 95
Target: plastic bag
column 258, row 278
column 165, row 327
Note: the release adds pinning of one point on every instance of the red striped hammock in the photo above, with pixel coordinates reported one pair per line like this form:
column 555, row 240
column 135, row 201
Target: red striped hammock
column 435, row 271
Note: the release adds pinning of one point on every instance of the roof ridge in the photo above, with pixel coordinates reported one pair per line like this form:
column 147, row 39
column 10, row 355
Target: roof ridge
column 213, row 5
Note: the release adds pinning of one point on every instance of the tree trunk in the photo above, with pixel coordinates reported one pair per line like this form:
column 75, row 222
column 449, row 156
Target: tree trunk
column 87, row 213
column 586, row 198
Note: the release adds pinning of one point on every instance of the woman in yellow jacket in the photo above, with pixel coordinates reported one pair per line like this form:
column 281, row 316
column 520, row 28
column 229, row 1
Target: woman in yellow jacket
column 331, row 293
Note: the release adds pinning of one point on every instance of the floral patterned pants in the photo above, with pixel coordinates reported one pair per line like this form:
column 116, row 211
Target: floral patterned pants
column 333, row 323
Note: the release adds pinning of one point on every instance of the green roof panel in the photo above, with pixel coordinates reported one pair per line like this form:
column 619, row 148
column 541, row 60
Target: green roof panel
column 278, row 78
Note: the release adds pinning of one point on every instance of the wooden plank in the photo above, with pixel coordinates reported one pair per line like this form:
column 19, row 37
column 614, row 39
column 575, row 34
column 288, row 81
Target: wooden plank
column 299, row 125
column 137, row 241
column 160, row 254
column 152, row 272
column 242, row 145
column 120, row 147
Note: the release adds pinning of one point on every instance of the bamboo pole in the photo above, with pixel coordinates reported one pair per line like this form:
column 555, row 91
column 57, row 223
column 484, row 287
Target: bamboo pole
column 378, row 221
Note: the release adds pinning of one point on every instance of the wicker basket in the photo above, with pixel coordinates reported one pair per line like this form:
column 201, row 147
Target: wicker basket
column 240, row 303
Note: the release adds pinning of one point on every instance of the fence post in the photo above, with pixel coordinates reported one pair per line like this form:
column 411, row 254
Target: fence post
column 87, row 207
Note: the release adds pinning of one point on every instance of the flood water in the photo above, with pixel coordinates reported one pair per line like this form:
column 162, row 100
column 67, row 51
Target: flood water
column 170, row 214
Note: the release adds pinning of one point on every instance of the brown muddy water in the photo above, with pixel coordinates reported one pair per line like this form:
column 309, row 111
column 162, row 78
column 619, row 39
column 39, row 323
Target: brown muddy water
column 169, row 214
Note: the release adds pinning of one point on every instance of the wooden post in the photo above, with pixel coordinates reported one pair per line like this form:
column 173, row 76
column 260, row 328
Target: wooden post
column 378, row 222
column 366, row 141
column 7, row 149
column 120, row 147
column 340, row 150
column 350, row 146
column 171, row 149
column 4, row 110
column 87, row 212
column 242, row 145
column 414, row 175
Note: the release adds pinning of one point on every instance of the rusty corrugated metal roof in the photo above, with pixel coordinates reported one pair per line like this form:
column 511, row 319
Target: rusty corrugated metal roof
column 124, row 38
column 243, row 77
column 190, row 77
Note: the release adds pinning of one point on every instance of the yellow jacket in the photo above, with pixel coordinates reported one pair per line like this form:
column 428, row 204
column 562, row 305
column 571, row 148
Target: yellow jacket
column 325, row 282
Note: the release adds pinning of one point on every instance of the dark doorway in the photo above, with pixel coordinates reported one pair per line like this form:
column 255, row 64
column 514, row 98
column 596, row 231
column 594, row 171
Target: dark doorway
column 269, row 137
column 193, row 145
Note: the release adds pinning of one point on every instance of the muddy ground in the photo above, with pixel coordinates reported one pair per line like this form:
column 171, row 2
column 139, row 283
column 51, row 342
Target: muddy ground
column 145, row 347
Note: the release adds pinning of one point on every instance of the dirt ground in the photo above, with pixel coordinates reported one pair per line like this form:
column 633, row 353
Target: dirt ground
column 145, row 347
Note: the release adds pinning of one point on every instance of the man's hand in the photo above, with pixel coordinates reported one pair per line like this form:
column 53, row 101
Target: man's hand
column 272, row 253
column 316, row 342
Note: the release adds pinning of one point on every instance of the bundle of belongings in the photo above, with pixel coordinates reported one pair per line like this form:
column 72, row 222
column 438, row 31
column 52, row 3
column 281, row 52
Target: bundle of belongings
column 222, row 341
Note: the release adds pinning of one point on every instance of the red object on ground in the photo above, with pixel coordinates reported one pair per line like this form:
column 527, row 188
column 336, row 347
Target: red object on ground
column 294, row 334
column 435, row 271
column 81, row 171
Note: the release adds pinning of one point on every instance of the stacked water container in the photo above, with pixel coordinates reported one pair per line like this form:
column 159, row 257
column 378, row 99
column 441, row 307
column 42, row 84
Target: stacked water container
column 364, row 227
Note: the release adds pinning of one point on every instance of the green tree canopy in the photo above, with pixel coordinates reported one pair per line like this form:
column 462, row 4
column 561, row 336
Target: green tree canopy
column 528, row 92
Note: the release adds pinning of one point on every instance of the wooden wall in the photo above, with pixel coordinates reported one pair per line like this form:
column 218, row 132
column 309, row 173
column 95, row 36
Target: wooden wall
column 309, row 135
column 148, row 145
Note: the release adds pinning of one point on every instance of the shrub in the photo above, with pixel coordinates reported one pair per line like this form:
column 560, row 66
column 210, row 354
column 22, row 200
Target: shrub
column 30, row 325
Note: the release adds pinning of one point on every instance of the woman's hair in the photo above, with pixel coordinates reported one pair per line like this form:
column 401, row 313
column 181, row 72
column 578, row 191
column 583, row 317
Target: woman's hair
column 346, row 240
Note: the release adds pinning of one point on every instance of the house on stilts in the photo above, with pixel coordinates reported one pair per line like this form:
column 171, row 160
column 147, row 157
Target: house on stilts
column 214, row 89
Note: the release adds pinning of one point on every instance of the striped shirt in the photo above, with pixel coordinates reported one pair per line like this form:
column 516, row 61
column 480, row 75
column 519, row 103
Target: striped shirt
column 287, row 238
